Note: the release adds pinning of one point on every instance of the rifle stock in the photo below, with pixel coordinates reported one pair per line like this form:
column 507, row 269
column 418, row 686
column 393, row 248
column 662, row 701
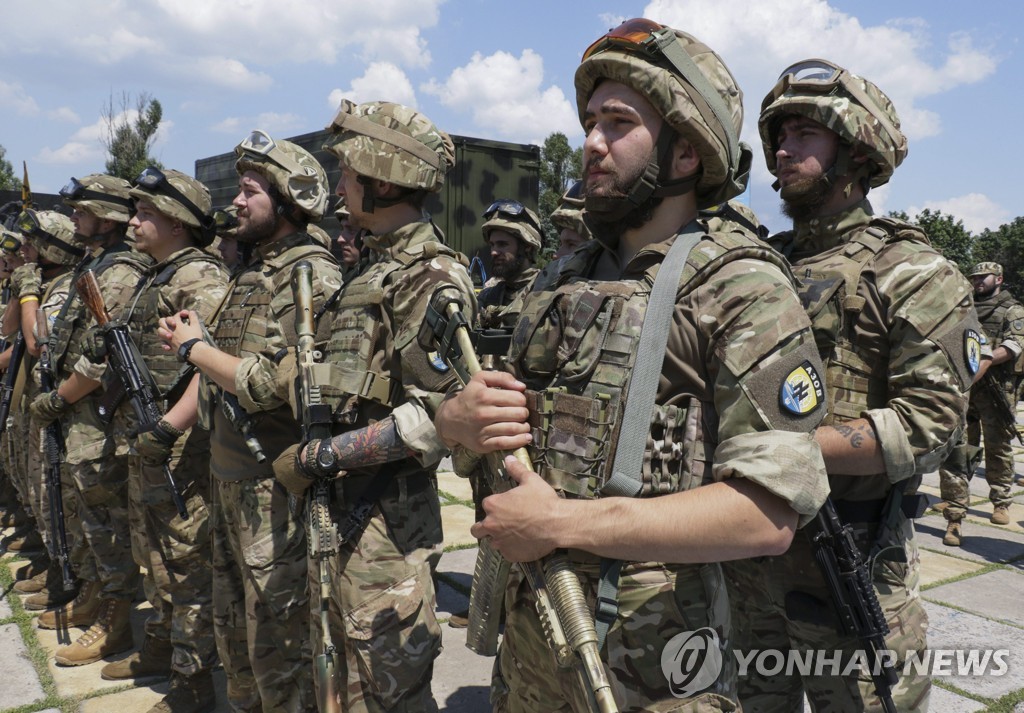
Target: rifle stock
column 322, row 533
column 124, row 358
column 561, row 605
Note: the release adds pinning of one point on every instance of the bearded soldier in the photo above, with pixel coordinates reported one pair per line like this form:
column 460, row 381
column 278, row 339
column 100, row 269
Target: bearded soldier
column 514, row 235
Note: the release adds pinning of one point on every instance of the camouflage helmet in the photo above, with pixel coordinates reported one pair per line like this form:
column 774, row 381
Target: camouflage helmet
column 393, row 143
column 225, row 221
column 178, row 196
column 690, row 86
column 103, row 196
column 987, row 268
column 294, row 173
column 320, row 236
column 51, row 233
column 851, row 106
column 733, row 215
column 515, row 218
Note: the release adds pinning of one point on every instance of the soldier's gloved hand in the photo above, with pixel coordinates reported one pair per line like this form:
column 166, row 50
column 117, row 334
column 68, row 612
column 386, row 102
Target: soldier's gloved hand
column 47, row 408
column 155, row 445
column 27, row 280
column 284, row 379
column 290, row 472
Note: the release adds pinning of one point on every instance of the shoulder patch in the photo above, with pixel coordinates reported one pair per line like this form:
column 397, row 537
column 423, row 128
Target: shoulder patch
column 437, row 362
column 972, row 350
column 802, row 391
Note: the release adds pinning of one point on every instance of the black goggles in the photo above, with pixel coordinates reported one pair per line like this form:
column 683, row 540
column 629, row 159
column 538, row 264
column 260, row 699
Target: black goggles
column 222, row 220
column 28, row 224
column 9, row 242
column 75, row 190
column 153, row 180
column 511, row 208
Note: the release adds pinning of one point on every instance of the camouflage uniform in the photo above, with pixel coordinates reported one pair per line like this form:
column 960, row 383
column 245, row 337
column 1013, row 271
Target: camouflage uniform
column 260, row 606
column 175, row 552
column 894, row 325
column 495, row 300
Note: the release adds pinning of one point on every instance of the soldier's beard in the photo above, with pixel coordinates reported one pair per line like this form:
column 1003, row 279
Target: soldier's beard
column 508, row 266
column 986, row 294
column 608, row 229
column 253, row 230
column 804, row 199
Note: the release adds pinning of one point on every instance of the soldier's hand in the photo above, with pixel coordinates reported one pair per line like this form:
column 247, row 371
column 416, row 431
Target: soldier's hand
column 521, row 523
column 284, row 378
column 155, row 445
column 178, row 329
column 488, row 415
column 47, row 408
column 290, row 472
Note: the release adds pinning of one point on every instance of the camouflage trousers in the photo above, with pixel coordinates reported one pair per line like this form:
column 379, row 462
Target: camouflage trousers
column 656, row 603
column 176, row 553
column 16, row 455
column 97, row 465
column 983, row 424
column 260, row 603
column 782, row 604
column 381, row 614
column 955, row 478
column 39, row 472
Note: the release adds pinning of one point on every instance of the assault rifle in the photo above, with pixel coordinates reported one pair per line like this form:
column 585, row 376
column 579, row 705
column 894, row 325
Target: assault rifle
column 53, row 450
column 561, row 605
column 1004, row 409
column 124, row 359
column 322, row 533
column 11, row 379
column 853, row 597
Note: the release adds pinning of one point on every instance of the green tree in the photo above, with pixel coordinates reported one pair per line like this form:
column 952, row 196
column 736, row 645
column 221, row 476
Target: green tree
column 1005, row 245
column 131, row 130
column 560, row 166
column 8, row 181
column 947, row 234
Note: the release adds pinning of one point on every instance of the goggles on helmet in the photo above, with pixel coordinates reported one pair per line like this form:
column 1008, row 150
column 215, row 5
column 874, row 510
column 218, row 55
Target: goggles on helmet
column 28, row 224
column 153, row 180
column 511, row 208
column 75, row 190
column 345, row 120
column 258, row 146
column 658, row 42
column 819, row 76
column 222, row 220
column 9, row 243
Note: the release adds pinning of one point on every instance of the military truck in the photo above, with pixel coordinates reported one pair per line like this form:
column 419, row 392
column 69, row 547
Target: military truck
column 484, row 170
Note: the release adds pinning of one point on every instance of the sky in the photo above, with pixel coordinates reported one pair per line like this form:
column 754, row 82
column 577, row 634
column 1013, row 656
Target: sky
column 504, row 71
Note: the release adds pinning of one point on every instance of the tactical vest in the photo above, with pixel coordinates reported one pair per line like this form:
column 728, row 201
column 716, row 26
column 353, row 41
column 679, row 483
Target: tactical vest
column 992, row 314
column 575, row 345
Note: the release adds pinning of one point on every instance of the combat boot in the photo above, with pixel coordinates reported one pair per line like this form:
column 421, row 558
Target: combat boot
column 53, row 594
column 110, row 634
column 31, row 568
column 27, row 541
column 952, row 536
column 31, row 585
column 153, row 660
column 1000, row 515
column 80, row 612
column 189, row 694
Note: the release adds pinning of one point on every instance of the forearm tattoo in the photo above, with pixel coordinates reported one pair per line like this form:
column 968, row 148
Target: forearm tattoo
column 375, row 444
column 857, row 436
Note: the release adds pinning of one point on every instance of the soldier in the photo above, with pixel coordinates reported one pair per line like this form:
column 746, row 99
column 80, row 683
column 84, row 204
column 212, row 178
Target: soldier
column 260, row 604
column 386, row 388
column 900, row 342
column 662, row 115
column 49, row 253
column 97, row 448
column 568, row 218
column 349, row 243
column 992, row 412
column 225, row 244
column 515, row 237
column 172, row 224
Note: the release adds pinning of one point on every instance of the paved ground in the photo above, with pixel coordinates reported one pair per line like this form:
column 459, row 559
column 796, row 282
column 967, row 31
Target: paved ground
column 973, row 597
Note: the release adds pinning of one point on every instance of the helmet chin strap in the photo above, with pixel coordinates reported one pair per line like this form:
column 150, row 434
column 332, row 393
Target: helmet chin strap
column 650, row 184
column 844, row 166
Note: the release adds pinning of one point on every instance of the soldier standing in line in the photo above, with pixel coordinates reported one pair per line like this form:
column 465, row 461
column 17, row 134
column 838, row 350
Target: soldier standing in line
column 899, row 338
column 97, row 446
column 260, row 603
column 515, row 238
column 568, row 218
column 384, row 390
column 172, row 224
column 662, row 115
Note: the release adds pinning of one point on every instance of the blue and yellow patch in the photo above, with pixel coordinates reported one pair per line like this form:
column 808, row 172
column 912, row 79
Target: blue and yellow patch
column 972, row 350
column 803, row 391
column 437, row 362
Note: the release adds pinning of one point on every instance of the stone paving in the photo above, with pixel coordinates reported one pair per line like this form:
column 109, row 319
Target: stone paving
column 972, row 594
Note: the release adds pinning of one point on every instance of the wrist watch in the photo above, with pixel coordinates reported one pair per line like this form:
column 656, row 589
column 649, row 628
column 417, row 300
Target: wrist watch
column 186, row 349
column 321, row 460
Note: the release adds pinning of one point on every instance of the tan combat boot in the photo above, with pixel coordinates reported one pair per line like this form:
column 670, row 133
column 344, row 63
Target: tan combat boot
column 31, row 585
column 153, row 660
column 188, row 694
column 1000, row 515
column 111, row 634
column 27, row 541
column 31, row 568
column 952, row 536
column 82, row 611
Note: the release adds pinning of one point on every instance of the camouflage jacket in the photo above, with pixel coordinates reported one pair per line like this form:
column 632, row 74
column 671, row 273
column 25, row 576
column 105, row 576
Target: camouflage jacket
column 494, row 301
column 1002, row 317
column 739, row 351
column 896, row 328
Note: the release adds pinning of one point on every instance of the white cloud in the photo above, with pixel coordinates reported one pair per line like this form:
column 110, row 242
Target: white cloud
column 226, row 72
column 73, row 152
column 382, row 81
column 15, row 97
column 231, row 125
column 976, row 210
column 504, row 94
column 63, row 113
